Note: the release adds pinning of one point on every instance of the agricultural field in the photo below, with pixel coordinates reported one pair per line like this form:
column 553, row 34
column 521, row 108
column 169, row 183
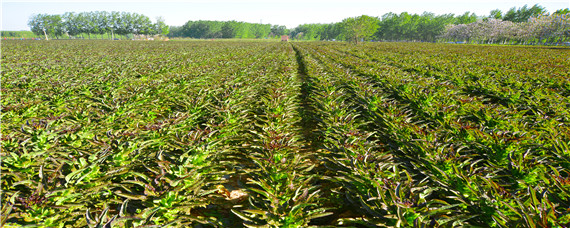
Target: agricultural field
column 244, row 134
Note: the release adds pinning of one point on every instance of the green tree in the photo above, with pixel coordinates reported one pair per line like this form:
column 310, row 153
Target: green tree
column 261, row 30
column 44, row 24
column 243, row 31
column 387, row 29
column 114, row 23
column 359, row 28
column 101, row 19
column 70, row 24
column 56, row 25
column 228, row 30
column 534, row 11
column 126, row 24
column 90, row 23
column 310, row 31
column 176, row 31
column 405, row 26
column 161, row 27
column 524, row 13
column 562, row 11
column 496, row 14
column 85, row 23
column 332, row 31
column 199, row 29
column 142, row 25
column 277, row 30
column 466, row 18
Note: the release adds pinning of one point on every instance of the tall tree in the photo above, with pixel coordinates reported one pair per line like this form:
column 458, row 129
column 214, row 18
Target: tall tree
column 310, row 31
column 101, row 19
column 114, row 23
column 261, row 30
column 199, row 29
column 496, row 14
column 37, row 25
column 562, row 11
column 331, row 31
column 161, row 27
column 466, row 18
column 70, row 24
column 277, row 30
column 56, row 25
column 524, row 13
column 44, row 24
column 126, row 25
column 228, row 29
column 359, row 28
column 85, row 23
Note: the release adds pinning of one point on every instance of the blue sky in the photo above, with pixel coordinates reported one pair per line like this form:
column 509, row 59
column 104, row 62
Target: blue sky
column 15, row 14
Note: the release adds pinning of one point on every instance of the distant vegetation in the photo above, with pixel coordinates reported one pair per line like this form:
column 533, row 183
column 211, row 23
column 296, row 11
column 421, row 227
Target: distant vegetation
column 390, row 27
column 226, row 29
column 18, row 34
column 75, row 25
column 522, row 26
column 525, row 25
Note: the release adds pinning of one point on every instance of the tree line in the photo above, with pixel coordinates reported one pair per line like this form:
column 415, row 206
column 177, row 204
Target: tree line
column 523, row 25
column 204, row 29
column 426, row 27
column 389, row 27
column 75, row 25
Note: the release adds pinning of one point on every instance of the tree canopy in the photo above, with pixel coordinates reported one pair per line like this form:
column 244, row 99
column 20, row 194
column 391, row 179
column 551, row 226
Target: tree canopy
column 44, row 24
column 205, row 29
column 359, row 28
column 524, row 13
column 97, row 22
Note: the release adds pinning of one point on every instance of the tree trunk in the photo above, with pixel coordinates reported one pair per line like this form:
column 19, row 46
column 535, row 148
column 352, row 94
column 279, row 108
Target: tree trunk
column 45, row 34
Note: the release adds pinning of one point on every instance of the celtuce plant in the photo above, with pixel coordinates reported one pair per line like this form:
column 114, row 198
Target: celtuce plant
column 267, row 134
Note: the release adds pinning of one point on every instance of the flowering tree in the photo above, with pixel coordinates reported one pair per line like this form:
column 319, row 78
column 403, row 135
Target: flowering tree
column 553, row 28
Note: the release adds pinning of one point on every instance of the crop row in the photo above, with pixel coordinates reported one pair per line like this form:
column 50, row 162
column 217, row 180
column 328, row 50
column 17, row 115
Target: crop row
column 468, row 158
column 96, row 136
